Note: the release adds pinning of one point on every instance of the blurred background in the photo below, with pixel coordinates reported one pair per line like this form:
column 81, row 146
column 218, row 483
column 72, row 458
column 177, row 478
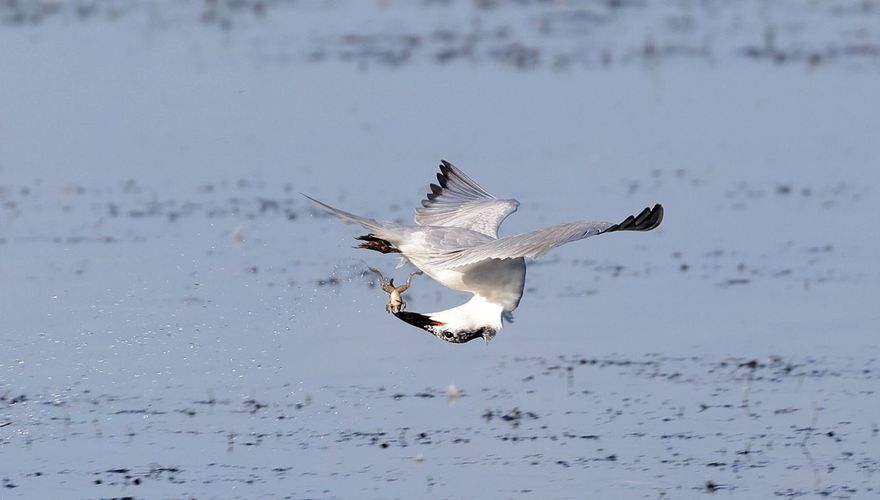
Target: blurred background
column 178, row 320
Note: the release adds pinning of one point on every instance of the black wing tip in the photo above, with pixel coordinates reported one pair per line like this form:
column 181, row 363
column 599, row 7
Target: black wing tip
column 648, row 219
column 446, row 170
column 457, row 182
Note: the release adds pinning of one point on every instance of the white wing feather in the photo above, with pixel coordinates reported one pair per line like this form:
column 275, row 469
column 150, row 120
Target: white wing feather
column 458, row 201
column 536, row 243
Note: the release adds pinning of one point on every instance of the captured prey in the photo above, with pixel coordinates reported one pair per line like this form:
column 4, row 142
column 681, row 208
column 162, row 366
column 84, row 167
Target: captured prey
column 395, row 293
column 455, row 241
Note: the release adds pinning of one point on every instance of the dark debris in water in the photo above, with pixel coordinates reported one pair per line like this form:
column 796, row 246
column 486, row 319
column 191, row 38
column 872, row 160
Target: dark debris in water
column 722, row 416
column 131, row 213
column 678, row 416
column 523, row 35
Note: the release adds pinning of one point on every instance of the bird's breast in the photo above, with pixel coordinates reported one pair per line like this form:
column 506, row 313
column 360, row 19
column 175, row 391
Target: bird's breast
column 498, row 281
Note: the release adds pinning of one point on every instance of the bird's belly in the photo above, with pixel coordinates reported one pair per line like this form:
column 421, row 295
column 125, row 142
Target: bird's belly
column 498, row 281
column 450, row 278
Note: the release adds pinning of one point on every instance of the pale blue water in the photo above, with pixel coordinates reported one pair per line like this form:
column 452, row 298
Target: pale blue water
column 165, row 305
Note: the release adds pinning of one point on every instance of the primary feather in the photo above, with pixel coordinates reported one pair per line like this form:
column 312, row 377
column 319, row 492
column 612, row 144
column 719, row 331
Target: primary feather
column 458, row 201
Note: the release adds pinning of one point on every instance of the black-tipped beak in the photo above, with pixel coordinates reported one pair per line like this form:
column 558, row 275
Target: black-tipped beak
column 416, row 319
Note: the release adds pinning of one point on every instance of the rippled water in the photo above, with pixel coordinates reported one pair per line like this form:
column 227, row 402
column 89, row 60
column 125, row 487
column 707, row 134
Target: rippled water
column 179, row 321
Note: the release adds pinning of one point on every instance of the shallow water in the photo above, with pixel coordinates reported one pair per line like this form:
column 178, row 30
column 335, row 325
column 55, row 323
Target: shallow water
column 178, row 320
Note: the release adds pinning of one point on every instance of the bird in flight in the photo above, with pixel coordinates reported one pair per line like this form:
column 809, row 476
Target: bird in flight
column 455, row 241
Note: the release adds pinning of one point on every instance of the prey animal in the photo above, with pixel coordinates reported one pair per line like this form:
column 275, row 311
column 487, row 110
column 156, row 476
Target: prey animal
column 455, row 241
column 395, row 293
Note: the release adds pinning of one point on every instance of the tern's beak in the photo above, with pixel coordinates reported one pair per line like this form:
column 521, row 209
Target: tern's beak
column 419, row 320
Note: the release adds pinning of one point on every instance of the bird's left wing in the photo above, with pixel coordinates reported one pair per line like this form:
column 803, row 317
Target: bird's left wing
column 537, row 243
column 458, row 201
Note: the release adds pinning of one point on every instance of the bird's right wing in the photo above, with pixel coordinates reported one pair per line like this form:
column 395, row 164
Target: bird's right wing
column 537, row 243
column 458, row 201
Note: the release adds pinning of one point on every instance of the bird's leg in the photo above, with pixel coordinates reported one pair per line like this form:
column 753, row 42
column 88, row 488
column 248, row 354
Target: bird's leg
column 378, row 244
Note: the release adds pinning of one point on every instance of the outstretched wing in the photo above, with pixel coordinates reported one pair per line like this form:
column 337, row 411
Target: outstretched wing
column 537, row 243
column 458, row 201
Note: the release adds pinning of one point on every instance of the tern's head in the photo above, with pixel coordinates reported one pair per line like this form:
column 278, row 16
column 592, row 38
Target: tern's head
column 447, row 331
